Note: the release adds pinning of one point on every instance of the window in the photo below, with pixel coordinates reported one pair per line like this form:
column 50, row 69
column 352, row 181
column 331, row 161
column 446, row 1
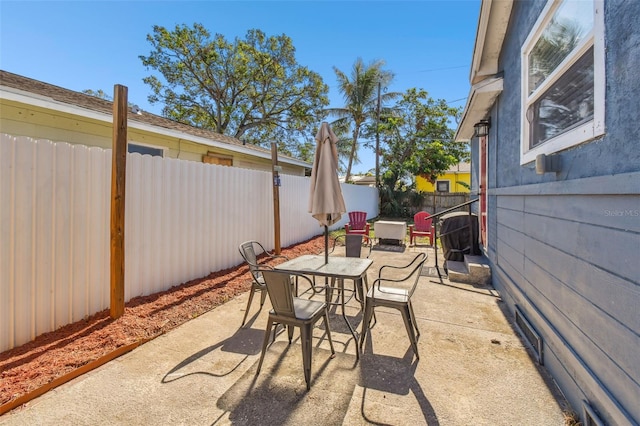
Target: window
column 563, row 78
column 212, row 158
column 145, row 150
column 442, row 186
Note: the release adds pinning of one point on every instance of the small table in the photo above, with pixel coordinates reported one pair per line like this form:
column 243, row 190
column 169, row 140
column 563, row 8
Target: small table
column 389, row 231
column 342, row 268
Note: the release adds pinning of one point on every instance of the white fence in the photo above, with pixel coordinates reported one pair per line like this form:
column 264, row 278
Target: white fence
column 183, row 220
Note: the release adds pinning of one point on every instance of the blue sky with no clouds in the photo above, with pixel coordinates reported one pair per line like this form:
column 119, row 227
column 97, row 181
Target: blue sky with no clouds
column 94, row 45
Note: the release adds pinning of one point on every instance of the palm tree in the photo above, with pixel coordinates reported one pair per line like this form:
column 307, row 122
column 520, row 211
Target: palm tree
column 360, row 94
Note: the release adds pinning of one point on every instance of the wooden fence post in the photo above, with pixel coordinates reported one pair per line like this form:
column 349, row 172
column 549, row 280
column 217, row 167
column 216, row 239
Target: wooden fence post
column 276, row 196
column 118, row 181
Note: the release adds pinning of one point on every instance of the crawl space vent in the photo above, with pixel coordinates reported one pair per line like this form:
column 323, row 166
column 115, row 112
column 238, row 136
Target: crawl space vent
column 590, row 416
column 529, row 334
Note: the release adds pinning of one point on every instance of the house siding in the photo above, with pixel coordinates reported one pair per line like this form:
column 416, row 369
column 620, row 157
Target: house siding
column 19, row 119
column 564, row 247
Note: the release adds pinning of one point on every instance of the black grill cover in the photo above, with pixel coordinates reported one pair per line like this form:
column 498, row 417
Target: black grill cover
column 454, row 235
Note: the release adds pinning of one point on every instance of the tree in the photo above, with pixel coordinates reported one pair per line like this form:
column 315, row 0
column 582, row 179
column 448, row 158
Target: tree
column 416, row 140
column 103, row 95
column 252, row 89
column 98, row 94
column 360, row 96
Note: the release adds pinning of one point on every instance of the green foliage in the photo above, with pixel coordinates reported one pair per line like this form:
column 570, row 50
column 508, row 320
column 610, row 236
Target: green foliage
column 465, row 184
column 360, row 92
column 394, row 196
column 417, row 140
column 102, row 95
column 252, row 88
column 98, row 94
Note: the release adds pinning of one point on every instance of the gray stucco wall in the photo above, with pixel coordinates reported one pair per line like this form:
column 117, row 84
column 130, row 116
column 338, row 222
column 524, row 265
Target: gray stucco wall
column 565, row 247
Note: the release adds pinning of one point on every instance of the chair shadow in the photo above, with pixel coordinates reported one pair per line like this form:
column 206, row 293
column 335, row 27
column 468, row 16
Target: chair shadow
column 247, row 341
column 278, row 395
column 393, row 375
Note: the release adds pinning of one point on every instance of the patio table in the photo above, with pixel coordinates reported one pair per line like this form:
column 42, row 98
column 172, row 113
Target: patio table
column 341, row 268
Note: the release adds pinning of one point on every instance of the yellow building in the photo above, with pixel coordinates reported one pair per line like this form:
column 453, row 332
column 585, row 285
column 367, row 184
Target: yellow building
column 453, row 180
column 43, row 111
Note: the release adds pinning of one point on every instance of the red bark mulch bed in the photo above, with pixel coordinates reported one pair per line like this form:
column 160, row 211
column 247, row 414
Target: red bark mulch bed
column 27, row 368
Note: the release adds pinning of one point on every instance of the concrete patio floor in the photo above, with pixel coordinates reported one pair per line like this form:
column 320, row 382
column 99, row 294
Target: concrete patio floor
column 473, row 369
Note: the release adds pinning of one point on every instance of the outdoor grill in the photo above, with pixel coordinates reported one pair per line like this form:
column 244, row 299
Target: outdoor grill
column 455, row 238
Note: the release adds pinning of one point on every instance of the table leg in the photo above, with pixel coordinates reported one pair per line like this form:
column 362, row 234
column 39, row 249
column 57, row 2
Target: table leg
column 344, row 315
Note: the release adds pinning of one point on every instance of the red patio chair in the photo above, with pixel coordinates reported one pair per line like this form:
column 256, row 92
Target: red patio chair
column 422, row 227
column 358, row 225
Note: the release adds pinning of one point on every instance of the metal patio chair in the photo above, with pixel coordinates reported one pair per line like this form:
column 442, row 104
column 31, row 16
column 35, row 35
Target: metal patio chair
column 422, row 227
column 293, row 312
column 390, row 292
column 248, row 251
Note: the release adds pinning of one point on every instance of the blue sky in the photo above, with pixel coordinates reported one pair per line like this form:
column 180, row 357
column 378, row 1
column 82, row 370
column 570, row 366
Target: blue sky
column 94, row 45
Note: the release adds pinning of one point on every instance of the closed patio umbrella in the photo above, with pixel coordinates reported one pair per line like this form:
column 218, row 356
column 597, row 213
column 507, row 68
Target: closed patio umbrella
column 326, row 203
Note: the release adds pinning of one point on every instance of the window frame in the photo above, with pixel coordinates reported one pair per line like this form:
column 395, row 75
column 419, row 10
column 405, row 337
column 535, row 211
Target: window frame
column 162, row 149
column 586, row 131
column 443, row 181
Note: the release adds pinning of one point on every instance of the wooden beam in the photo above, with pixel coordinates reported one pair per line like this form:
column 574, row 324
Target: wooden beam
column 118, row 181
column 276, row 196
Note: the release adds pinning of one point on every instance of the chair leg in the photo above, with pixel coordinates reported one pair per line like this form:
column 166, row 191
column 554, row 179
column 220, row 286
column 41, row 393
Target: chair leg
column 246, row 311
column 290, row 332
column 368, row 312
column 326, row 326
column 406, row 316
column 366, row 291
column 263, row 296
column 305, row 331
column 267, row 333
column 358, row 287
column 413, row 318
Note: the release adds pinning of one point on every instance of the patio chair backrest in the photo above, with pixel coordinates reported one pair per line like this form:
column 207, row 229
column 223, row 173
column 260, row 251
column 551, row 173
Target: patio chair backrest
column 353, row 245
column 357, row 220
column 279, row 287
column 248, row 253
column 422, row 222
column 415, row 268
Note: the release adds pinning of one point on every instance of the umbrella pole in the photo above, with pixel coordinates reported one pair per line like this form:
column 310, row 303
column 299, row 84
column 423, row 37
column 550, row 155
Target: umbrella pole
column 326, row 244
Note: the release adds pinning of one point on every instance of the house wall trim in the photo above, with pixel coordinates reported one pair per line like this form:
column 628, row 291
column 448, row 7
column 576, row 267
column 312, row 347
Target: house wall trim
column 622, row 184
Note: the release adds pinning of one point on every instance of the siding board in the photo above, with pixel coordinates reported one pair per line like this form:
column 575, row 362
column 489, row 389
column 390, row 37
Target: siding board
column 516, row 203
column 607, row 211
column 611, row 294
column 513, row 238
column 588, row 330
column 513, row 219
column 507, row 254
column 588, row 242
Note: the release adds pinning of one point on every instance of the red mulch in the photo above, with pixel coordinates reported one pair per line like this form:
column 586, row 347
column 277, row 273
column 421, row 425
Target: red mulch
column 52, row 355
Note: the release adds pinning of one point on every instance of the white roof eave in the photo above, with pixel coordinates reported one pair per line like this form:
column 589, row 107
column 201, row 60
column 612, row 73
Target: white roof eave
column 481, row 98
column 486, row 86
column 492, row 27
